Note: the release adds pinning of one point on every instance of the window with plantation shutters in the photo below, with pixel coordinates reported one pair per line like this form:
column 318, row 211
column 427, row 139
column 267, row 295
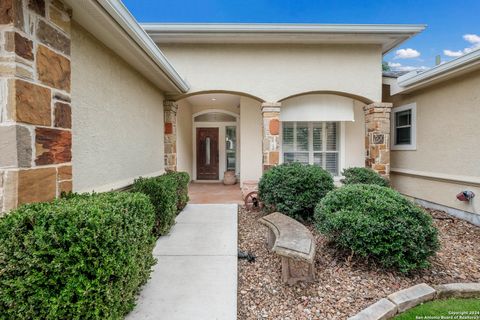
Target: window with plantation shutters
column 312, row 143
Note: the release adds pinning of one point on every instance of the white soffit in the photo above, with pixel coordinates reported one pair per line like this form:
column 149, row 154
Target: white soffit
column 388, row 36
column 113, row 25
column 317, row 107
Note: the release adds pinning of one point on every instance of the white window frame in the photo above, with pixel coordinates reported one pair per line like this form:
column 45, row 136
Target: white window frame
column 413, row 133
column 341, row 147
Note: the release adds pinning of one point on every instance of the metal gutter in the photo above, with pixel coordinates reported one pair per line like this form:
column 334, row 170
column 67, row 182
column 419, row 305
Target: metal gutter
column 283, row 28
column 117, row 10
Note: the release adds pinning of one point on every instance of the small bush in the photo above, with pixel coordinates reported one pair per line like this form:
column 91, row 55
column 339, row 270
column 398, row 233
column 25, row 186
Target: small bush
column 378, row 222
column 79, row 258
column 183, row 179
column 294, row 189
column 162, row 191
column 363, row 176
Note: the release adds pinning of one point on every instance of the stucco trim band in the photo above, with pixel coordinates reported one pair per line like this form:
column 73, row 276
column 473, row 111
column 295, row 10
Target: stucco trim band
column 435, row 176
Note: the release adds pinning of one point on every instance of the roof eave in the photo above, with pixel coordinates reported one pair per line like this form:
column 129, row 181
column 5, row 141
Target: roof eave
column 414, row 80
column 392, row 35
column 125, row 31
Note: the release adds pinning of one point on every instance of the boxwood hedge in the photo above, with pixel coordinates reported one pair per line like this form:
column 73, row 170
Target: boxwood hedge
column 378, row 223
column 182, row 180
column 162, row 191
column 84, row 257
column 294, row 189
column 361, row 175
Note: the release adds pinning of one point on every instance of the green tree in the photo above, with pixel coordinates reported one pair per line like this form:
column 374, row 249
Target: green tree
column 385, row 66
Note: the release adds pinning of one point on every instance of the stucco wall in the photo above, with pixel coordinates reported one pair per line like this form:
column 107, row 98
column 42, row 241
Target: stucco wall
column 184, row 138
column 274, row 72
column 250, row 139
column 199, row 108
column 355, row 138
column 448, row 143
column 117, row 118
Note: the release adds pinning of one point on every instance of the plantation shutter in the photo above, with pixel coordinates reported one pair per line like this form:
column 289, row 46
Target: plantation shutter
column 312, row 142
column 331, row 152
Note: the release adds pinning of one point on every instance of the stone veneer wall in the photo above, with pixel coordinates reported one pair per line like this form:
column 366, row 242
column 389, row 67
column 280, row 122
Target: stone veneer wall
column 35, row 112
column 170, row 138
column 377, row 139
column 271, row 134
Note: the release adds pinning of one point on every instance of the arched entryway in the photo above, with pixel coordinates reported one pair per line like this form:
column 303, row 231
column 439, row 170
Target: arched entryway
column 218, row 132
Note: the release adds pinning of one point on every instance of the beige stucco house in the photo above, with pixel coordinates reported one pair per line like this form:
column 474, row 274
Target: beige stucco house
column 442, row 155
column 91, row 100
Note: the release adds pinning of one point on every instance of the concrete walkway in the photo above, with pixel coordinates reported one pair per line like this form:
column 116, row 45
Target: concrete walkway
column 196, row 273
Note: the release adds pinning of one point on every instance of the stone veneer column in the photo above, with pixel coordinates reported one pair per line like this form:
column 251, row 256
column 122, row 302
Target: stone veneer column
column 170, row 134
column 271, row 134
column 377, row 139
column 35, row 112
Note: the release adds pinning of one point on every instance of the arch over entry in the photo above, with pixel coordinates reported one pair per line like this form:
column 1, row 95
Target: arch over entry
column 213, row 111
column 190, row 94
column 338, row 93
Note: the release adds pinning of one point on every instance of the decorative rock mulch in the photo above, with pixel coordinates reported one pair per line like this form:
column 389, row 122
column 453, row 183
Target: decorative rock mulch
column 343, row 285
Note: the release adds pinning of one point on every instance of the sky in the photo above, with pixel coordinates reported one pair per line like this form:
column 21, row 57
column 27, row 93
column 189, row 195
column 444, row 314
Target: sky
column 453, row 26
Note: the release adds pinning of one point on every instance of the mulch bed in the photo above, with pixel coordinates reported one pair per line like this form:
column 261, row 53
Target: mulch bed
column 343, row 285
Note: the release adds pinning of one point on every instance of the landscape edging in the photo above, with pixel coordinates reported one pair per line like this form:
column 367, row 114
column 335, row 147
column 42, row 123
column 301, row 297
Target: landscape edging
column 405, row 299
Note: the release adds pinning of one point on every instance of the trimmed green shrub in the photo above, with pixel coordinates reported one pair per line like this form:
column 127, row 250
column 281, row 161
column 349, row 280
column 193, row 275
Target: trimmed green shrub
column 162, row 191
column 78, row 258
column 294, row 189
column 378, row 222
column 183, row 179
column 363, row 176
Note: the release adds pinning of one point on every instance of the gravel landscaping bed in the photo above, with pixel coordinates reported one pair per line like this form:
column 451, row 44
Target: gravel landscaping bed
column 343, row 285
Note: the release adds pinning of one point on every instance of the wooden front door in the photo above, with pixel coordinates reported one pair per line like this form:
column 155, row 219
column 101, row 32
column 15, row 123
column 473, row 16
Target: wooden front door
column 207, row 153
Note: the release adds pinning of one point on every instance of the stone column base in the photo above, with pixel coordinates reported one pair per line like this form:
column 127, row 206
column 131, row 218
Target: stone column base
column 377, row 137
column 271, row 134
column 170, row 138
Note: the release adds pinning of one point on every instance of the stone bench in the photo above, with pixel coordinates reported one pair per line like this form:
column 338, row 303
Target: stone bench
column 294, row 243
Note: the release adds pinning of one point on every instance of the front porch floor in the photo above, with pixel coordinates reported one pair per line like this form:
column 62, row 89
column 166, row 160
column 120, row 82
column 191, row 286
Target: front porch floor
column 204, row 193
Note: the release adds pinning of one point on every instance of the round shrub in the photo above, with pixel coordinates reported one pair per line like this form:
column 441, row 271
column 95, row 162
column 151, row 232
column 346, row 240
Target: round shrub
column 79, row 258
column 364, row 176
column 378, row 222
column 294, row 189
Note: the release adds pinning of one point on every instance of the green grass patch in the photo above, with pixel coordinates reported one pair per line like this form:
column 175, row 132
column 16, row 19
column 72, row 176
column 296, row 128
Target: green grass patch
column 444, row 309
